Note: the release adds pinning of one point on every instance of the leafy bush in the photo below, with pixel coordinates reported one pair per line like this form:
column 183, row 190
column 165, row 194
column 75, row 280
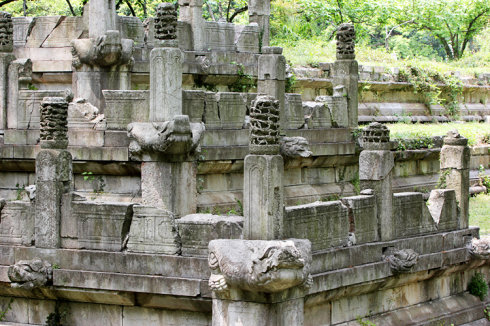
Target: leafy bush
column 478, row 286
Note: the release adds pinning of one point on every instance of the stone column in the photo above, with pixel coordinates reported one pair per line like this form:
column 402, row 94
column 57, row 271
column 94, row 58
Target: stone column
column 455, row 173
column 376, row 163
column 258, row 283
column 345, row 70
column 259, row 12
column 165, row 67
column 102, row 17
column 53, row 171
column 272, row 76
column 191, row 13
column 263, row 192
column 6, row 57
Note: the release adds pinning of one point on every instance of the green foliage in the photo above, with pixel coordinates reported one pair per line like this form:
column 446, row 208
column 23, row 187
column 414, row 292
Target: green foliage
column 244, row 82
column 19, row 191
column 363, row 322
column 57, row 317
column 97, row 182
column 483, row 179
column 5, row 310
column 356, row 183
column 478, row 286
column 414, row 143
column 442, row 183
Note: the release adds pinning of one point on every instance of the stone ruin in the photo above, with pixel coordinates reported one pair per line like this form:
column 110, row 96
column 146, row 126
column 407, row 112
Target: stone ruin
column 156, row 194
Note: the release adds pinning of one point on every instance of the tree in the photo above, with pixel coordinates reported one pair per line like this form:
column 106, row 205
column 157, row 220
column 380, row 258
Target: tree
column 453, row 22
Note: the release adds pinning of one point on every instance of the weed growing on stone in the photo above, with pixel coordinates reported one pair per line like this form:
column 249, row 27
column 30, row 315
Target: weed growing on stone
column 363, row 322
column 56, row 318
column 441, row 183
column 4, row 312
column 19, row 191
column 98, row 182
column 478, row 286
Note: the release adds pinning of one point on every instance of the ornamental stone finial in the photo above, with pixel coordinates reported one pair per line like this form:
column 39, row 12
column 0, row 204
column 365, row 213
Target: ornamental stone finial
column 6, row 32
column 166, row 24
column 264, row 126
column 54, row 123
column 346, row 35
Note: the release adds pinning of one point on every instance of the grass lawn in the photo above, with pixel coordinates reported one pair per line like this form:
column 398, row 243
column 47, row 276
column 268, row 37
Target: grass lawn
column 480, row 213
column 474, row 131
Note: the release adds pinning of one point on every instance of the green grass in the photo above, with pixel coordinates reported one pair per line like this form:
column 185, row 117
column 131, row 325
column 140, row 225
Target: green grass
column 311, row 52
column 480, row 213
column 477, row 133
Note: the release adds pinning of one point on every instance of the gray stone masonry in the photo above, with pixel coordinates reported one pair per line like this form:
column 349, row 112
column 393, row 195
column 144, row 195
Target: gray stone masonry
column 191, row 13
column 6, row 57
column 243, row 270
column 259, row 12
column 101, row 17
column 376, row 163
column 455, row 160
column 272, row 76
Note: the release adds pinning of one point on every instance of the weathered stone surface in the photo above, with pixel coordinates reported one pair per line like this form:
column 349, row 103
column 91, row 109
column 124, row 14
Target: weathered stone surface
column 101, row 17
column 171, row 186
column 177, row 137
column 362, row 218
column 480, row 248
column 443, row 209
column 264, row 126
column 16, row 223
column 166, row 22
column 247, row 38
column 197, row 230
column 325, row 224
column 30, row 274
column 294, row 147
column 263, row 197
column 6, row 32
column 259, row 266
column 165, row 84
column 345, row 73
column 293, row 114
column 103, row 226
column 346, row 36
column 153, row 230
column 219, row 36
column 54, row 123
column 231, row 110
column 408, row 216
column 402, row 261
column 124, row 107
column 194, row 105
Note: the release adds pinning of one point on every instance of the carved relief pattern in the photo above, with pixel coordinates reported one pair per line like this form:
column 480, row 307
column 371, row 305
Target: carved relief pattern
column 166, row 22
column 346, row 36
column 30, row 274
column 376, row 133
column 54, row 123
column 6, row 32
column 264, row 126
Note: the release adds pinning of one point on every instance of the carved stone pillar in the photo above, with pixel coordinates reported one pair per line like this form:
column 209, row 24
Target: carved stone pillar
column 6, row 57
column 345, row 70
column 263, row 192
column 259, row 283
column 272, row 76
column 104, row 60
column 191, row 13
column 53, row 171
column 259, row 12
column 165, row 67
column 455, row 173
column 376, row 163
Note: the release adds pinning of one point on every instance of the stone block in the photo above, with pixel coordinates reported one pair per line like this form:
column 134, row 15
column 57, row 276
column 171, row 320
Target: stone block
column 102, row 226
column 317, row 114
column 18, row 312
column 325, row 224
column 212, row 117
column 219, row 36
column 86, row 314
column 131, row 28
column 459, row 181
column 272, row 67
column 17, row 223
column 194, row 105
column 171, row 186
column 68, row 29
column 408, row 216
column 40, row 29
column 153, row 230
column 455, row 157
column 25, row 115
column 113, row 138
column 89, row 138
column 232, row 110
column 443, row 209
column 21, row 29
column 247, row 38
column 134, row 316
column 196, row 230
column 263, row 197
column 363, row 218
column 165, row 84
column 294, row 115
column 375, row 165
column 337, row 105
column 345, row 72
column 124, row 107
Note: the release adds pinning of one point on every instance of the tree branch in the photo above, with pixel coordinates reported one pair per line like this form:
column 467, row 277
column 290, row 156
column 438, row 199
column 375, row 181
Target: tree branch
column 211, row 13
column 130, row 8
column 237, row 12
column 71, row 8
column 5, row 2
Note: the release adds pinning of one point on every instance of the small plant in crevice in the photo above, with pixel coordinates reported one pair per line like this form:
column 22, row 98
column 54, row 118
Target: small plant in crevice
column 4, row 311
column 441, row 183
column 290, row 79
column 244, row 82
column 19, row 191
column 57, row 317
column 356, row 183
column 478, row 286
column 363, row 322
column 486, row 311
column 98, row 183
